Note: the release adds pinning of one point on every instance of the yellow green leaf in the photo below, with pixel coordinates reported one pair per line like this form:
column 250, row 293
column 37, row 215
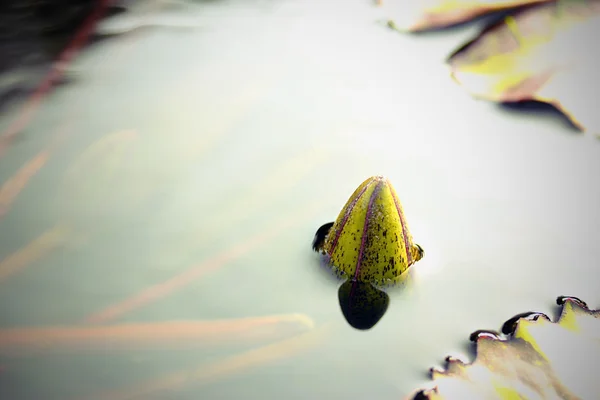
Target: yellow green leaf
column 370, row 240
column 537, row 359
column 536, row 54
column 421, row 15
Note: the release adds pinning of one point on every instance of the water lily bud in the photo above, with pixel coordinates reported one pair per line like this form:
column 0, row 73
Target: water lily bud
column 370, row 240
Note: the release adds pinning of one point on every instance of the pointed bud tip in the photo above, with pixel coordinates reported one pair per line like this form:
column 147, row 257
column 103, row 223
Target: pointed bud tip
column 379, row 178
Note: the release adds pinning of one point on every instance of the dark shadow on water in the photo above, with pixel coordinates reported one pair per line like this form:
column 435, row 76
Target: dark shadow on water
column 26, row 84
column 362, row 304
column 33, row 35
column 539, row 109
column 487, row 20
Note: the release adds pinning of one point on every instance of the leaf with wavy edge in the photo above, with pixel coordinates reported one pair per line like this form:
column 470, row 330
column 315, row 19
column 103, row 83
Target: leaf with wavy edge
column 538, row 54
column 422, row 15
column 536, row 359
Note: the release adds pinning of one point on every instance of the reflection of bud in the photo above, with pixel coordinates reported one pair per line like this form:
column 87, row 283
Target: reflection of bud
column 362, row 304
column 370, row 240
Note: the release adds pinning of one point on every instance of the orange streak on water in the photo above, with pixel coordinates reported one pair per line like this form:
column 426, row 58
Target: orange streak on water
column 93, row 158
column 35, row 250
column 163, row 289
column 238, row 107
column 14, row 185
column 134, row 335
column 11, row 189
column 211, row 372
column 51, row 239
column 32, row 105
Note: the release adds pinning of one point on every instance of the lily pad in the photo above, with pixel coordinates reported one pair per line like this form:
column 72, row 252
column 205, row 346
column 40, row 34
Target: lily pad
column 422, row 15
column 537, row 54
column 533, row 358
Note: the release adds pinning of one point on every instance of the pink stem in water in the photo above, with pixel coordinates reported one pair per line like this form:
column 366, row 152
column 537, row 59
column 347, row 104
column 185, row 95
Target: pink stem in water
column 32, row 105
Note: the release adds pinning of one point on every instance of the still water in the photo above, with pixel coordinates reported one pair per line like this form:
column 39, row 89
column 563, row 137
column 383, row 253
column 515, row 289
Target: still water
column 180, row 180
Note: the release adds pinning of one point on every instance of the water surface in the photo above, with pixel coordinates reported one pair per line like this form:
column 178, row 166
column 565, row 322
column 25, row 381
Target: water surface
column 237, row 139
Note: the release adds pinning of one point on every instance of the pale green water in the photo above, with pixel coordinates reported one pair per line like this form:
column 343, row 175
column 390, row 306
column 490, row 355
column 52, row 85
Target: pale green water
column 290, row 107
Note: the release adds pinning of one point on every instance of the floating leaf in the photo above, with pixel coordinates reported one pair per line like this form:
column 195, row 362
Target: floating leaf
column 537, row 54
column 434, row 14
column 538, row 359
column 370, row 240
